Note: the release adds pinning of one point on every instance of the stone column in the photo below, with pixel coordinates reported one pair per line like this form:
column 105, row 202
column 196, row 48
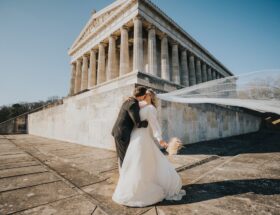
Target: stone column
column 204, row 73
column 165, row 72
column 214, row 74
column 217, row 75
column 198, row 71
column 85, row 73
column 152, row 51
column 112, row 59
column 73, row 78
column 78, row 76
column 101, row 69
column 209, row 74
column 92, row 80
column 185, row 69
column 124, row 53
column 175, row 64
column 138, row 45
column 192, row 76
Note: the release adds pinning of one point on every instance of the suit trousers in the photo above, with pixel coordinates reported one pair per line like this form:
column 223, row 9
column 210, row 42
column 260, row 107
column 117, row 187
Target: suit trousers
column 121, row 147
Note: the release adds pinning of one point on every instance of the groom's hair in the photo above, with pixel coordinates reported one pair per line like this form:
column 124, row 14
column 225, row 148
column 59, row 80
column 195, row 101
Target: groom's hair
column 139, row 91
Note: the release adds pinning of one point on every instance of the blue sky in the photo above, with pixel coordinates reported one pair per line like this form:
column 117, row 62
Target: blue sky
column 36, row 34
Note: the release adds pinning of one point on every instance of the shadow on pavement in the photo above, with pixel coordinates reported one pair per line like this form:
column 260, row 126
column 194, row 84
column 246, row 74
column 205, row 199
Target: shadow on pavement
column 263, row 141
column 215, row 190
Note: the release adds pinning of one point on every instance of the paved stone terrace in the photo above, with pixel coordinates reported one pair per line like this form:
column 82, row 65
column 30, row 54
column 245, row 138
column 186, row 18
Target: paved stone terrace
column 239, row 175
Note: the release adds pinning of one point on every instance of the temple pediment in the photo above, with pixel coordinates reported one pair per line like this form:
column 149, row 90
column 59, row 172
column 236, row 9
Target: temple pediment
column 97, row 20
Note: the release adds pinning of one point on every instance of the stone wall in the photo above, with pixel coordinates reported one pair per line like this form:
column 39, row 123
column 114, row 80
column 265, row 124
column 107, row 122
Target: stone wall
column 88, row 118
column 200, row 122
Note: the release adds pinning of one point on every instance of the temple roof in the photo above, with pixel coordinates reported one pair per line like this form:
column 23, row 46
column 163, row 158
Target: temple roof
column 104, row 17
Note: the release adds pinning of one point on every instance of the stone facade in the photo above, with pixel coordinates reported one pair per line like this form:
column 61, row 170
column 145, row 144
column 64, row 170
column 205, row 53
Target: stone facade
column 88, row 118
column 133, row 35
column 130, row 43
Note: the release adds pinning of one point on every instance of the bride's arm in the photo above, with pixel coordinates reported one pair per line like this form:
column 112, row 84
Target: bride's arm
column 153, row 121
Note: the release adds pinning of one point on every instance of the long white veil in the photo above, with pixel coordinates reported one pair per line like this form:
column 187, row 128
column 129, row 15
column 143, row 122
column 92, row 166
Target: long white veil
column 258, row 91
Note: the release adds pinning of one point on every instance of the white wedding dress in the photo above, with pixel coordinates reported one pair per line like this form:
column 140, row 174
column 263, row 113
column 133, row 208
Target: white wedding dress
column 146, row 176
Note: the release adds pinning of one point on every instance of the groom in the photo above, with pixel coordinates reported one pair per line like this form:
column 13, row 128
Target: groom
column 128, row 118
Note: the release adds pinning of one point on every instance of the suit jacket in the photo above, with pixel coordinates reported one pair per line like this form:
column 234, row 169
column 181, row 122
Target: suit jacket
column 128, row 118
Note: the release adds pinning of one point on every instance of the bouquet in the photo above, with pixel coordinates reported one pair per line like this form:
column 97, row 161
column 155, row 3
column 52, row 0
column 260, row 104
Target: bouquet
column 174, row 145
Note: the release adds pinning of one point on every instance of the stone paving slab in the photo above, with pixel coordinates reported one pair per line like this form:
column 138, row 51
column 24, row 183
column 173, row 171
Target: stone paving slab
column 237, row 169
column 99, row 211
column 192, row 174
column 152, row 211
column 84, row 152
column 112, row 175
column 29, row 197
column 103, row 192
column 76, row 205
column 223, row 206
column 75, row 175
column 248, row 183
column 4, row 141
column 21, row 171
column 12, row 183
column 9, row 149
column 90, row 157
column 10, row 152
column 53, row 147
column 182, row 160
column 99, row 165
column 238, row 175
column 5, row 159
column 16, row 165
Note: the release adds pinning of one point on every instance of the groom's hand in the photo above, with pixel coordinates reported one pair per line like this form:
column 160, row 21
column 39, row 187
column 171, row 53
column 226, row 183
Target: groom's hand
column 144, row 124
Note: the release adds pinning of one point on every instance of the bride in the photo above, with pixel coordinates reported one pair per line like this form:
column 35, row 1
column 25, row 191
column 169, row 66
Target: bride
column 146, row 176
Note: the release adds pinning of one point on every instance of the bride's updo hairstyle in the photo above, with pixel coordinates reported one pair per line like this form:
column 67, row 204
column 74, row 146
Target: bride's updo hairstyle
column 153, row 97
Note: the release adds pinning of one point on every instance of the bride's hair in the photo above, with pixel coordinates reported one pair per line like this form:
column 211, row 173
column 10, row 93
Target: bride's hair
column 153, row 97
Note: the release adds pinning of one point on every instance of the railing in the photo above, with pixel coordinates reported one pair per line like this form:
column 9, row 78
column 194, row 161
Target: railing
column 19, row 124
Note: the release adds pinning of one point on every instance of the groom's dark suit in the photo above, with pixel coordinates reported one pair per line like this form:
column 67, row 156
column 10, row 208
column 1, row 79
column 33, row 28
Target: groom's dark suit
column 128, row 118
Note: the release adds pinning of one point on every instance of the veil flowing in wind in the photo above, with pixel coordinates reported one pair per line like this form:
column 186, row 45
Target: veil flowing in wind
column 258, row 91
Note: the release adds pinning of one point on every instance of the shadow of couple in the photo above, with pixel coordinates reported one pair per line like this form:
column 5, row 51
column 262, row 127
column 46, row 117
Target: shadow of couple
column 215, row 190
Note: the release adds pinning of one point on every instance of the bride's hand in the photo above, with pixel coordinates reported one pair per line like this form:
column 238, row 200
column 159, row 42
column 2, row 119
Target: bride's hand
column 163, row 144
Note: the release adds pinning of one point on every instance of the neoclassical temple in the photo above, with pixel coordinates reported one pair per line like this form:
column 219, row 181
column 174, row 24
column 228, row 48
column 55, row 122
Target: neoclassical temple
column 132, row 43
column 136, row 36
